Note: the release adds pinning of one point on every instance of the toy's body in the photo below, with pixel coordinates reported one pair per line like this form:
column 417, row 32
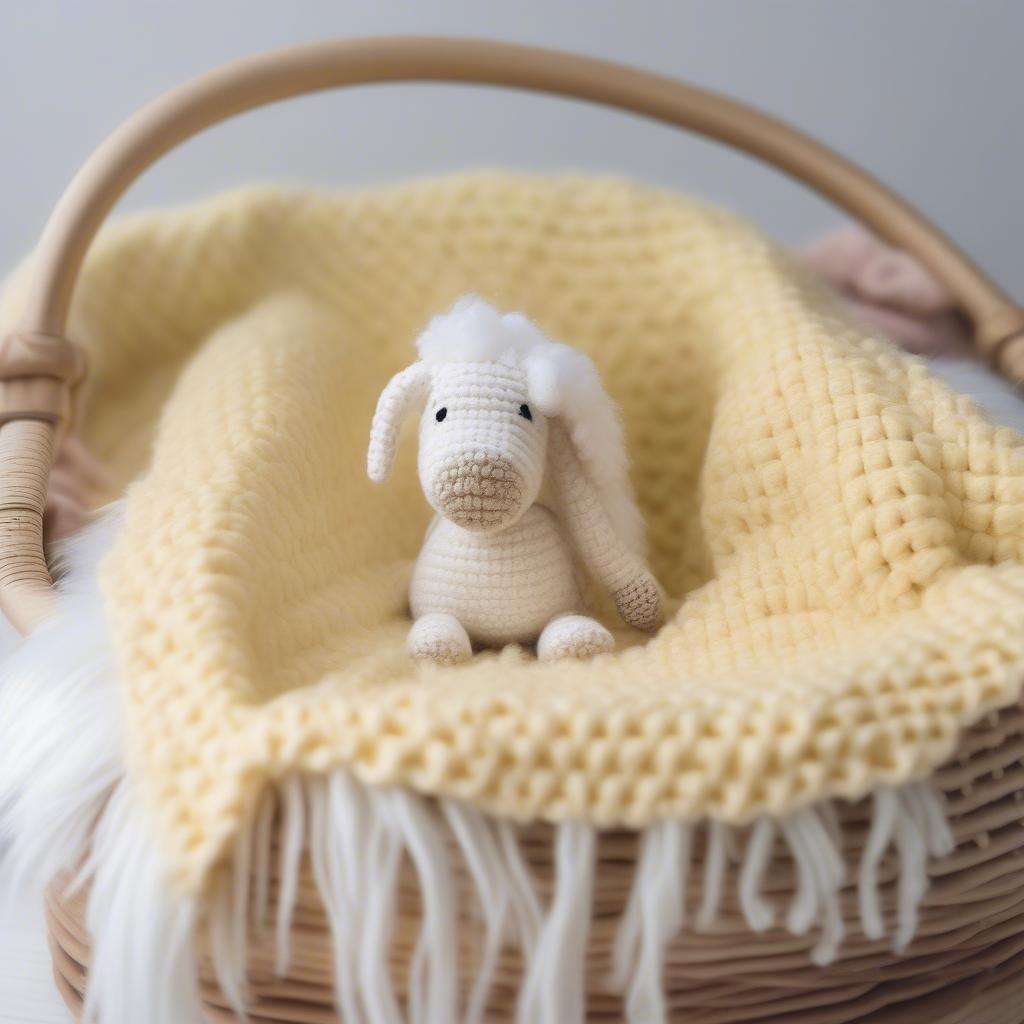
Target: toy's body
column 522, row 578
column 504, row 410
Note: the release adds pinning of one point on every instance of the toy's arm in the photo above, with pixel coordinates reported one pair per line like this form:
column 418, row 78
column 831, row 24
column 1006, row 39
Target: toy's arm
column 631, row 584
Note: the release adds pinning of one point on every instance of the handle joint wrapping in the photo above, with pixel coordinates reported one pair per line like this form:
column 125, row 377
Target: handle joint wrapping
column 37, row 374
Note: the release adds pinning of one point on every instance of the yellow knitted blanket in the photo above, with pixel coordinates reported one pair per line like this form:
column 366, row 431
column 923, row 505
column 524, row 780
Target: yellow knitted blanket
column 840, row 535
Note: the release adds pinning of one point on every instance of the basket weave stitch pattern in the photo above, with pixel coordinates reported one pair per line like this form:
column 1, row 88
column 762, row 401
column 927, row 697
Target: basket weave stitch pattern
column 840, row 533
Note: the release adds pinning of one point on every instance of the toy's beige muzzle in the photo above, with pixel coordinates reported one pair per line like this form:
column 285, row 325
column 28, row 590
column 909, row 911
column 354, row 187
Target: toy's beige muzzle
column 479, row 491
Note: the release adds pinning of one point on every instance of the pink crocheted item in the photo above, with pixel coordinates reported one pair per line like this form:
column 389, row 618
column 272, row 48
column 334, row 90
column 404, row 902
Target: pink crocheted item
column 890, row 290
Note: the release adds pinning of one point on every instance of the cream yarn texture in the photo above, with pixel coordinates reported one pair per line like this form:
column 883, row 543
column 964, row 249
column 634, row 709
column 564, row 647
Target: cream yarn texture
column 497, row 566
column 840, row 536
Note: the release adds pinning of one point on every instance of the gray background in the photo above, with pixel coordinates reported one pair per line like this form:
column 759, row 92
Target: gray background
column 926, row 93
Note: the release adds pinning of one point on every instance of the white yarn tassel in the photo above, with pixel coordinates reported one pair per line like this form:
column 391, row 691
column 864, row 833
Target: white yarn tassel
column 383, row 858
column 433, row 988
column 919, row 834
column 932, row 814
column 293, row 833
column 229, row 924
column 883, row 825
column 714, row 874
column 913, row 818
column 526, row 906
column 263, row 826
column 653, row 917
column 820, row 870
column 552, row 991
column 337, row 823
column 759, row 913
column 482, row 855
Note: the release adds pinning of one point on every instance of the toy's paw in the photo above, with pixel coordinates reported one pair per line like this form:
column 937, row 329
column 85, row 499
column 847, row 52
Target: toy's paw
column 573, row 636
column 440, row 638
column 639, row 603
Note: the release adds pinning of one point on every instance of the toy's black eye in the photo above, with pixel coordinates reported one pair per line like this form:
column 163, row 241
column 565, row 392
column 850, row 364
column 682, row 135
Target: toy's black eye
column 524, row 411
column 440, row 414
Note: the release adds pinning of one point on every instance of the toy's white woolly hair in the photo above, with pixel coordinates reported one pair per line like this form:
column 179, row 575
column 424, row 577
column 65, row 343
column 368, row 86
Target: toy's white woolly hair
column 561, row 382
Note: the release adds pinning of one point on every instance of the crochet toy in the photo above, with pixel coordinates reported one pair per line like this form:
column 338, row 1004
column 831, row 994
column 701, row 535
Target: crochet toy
column 507, row 413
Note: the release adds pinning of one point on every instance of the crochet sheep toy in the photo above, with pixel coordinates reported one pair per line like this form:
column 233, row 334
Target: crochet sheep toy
column 507, row 413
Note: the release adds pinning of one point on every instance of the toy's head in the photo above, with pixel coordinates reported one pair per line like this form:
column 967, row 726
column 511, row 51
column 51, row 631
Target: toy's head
column 489, row 386
column 482, row 444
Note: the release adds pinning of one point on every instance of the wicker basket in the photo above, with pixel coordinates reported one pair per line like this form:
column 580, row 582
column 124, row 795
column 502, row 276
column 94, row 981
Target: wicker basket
column 966, row 961
column 965, row 965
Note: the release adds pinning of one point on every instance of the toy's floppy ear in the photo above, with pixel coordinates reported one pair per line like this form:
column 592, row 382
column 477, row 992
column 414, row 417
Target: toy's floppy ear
column 564, row 383
column 404, row 391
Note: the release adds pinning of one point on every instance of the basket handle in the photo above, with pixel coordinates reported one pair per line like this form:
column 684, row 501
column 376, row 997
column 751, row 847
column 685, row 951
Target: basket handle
column 38, row 367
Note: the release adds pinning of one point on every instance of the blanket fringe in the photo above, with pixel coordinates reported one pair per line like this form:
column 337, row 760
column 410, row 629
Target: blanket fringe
column 61, row 782
column 359, row 837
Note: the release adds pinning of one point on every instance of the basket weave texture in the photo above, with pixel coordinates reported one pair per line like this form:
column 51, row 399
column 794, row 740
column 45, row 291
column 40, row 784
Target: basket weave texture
column 964, row 966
